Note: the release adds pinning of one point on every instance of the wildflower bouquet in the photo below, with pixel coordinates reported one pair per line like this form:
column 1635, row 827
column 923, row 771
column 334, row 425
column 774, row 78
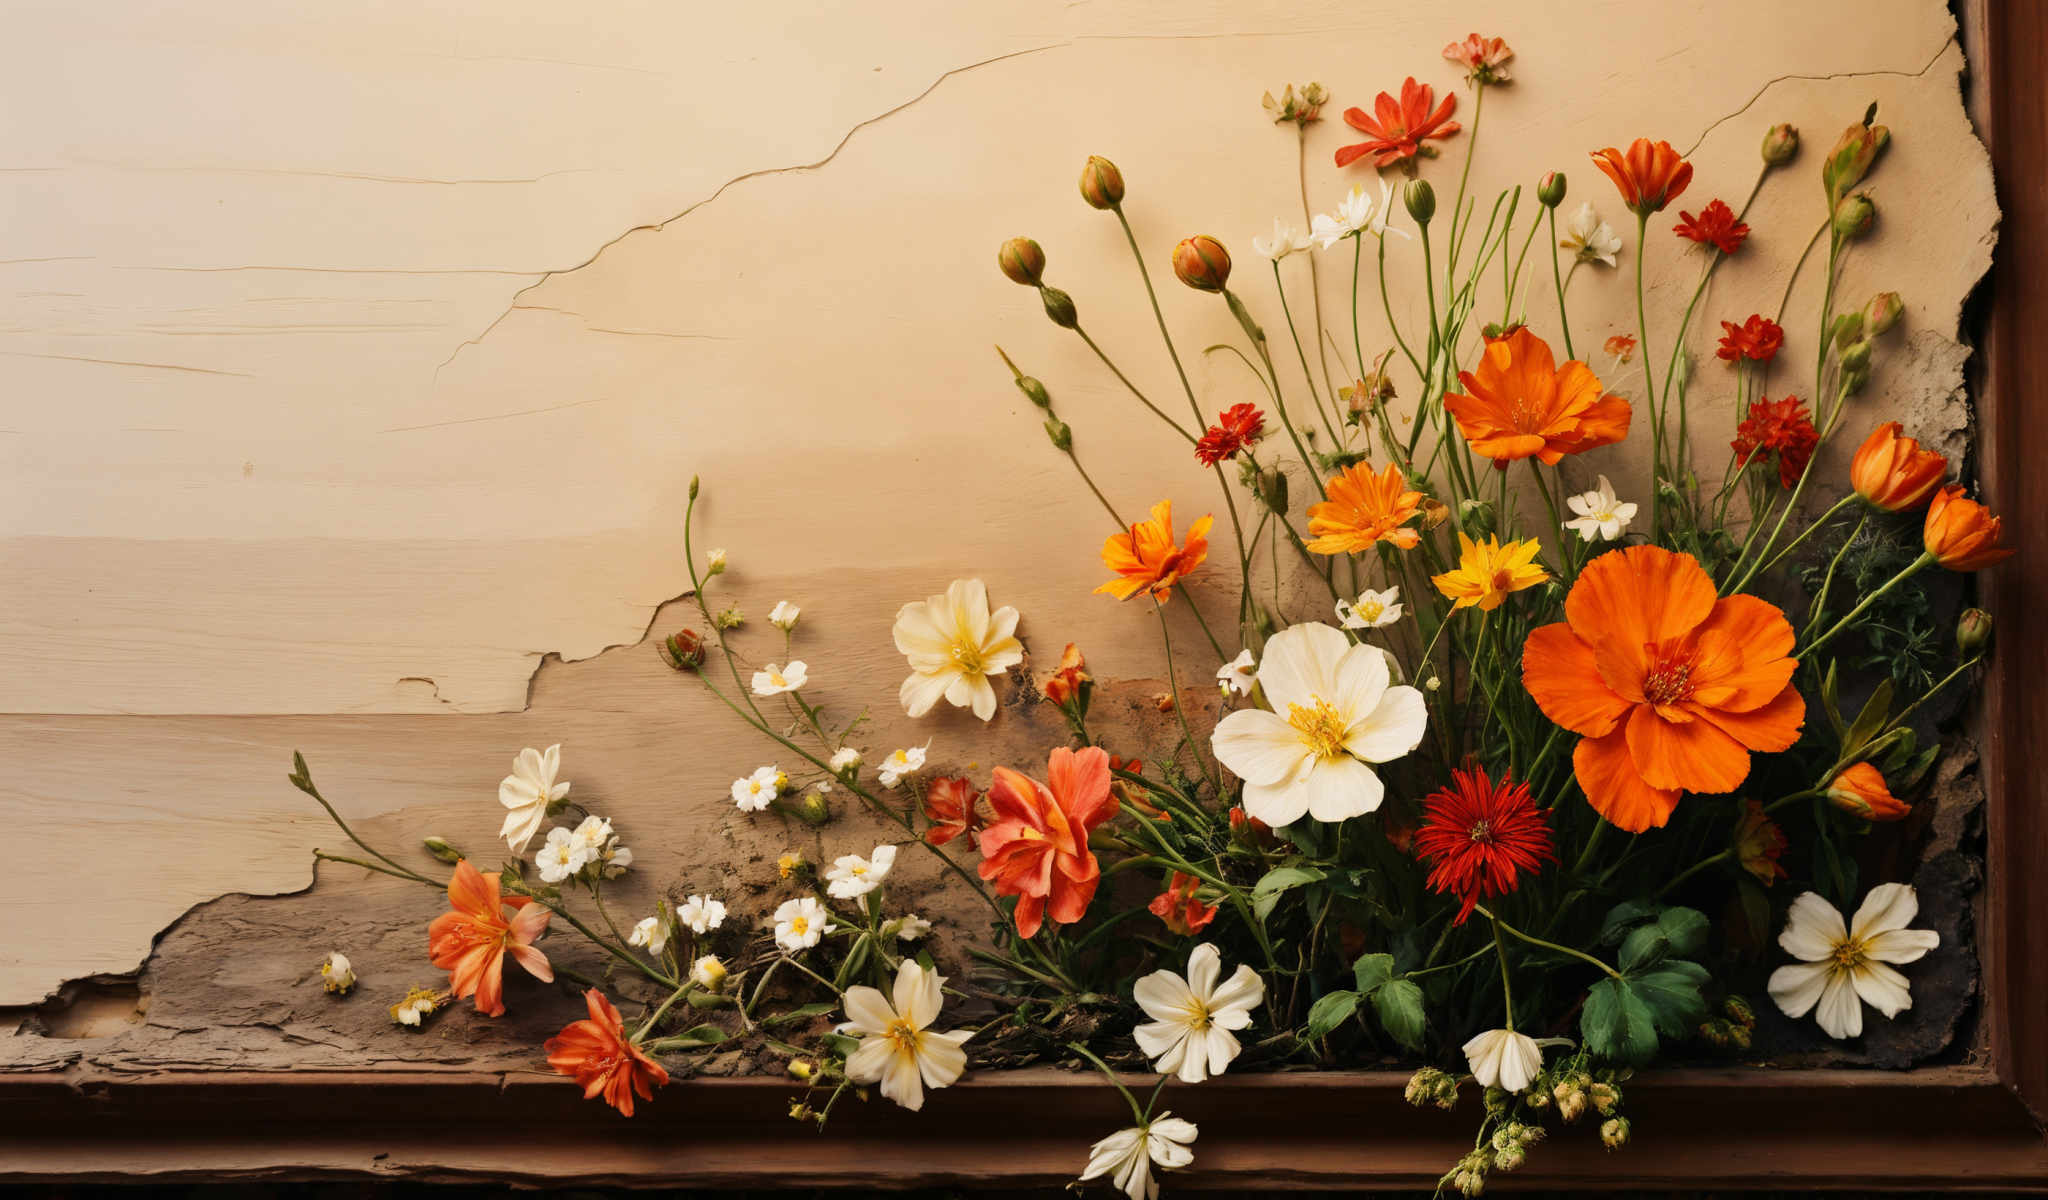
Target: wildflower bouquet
column 1511, row 774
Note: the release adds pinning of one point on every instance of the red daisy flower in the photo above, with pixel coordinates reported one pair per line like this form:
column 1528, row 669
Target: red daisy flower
column 1781, row 427
column 1478, row 836
column 1757, row 338
column 1716, row 224
column 1236, row 427
column 949, row 803
column 1396, row 130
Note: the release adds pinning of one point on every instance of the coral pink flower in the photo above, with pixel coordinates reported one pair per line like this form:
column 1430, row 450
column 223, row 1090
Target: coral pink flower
column 1178, row 906
column 471, row 940
column 1397, row 131
column 1484, row 59
column 597, row 1054
column 1037, row 848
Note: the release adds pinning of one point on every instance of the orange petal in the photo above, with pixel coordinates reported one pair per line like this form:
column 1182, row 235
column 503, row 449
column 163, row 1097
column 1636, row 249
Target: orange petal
column 1691, row 756
column 1558, row 670
column 1638, row 596
column 1743, row 660
column 1615, row 789
column 1771, row 728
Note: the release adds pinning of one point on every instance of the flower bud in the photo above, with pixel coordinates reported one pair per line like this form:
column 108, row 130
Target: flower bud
column 1883, row 312
column 693, row 487
column 714, row 562
column 729, row 617
column 1035, row 391
column 1854, row 216
column 683, row 650
column 1060, row 307
column 1614, row 1133
column 1022, row 261
column 1422, row 1085
column 814, row 809
column 441, row 849
column 1102, row 185
column 708, row 973
column 1860, row 791
column 1781, row 142
column 1498, row 1100
column 1550, row 189
column 789, row 863
column 1273, row 489
column 1476, row 516
column 1973, row 631
column 1604, row 1097
column 1420, row 200
column 1434, row 512
column 1062, row 436
column 1202, row 263
column 1847, row 328
column 337, row 975
column 1739, row 1010
column 1853, row 155
column 802, row 1068
column 1856, row 358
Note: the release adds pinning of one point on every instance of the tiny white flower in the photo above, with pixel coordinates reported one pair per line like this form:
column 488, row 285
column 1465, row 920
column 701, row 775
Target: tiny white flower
column 649, row 932
column 337, row 974
column 708, row 972
column 800, row 923
column 1286, row 240
column 1237, row 676
column 910, row 927
column 616, row 859
column 1192, row 1018
column 714, row 561
column 852, row 876
column 528, row 792
column 1356, row 213
column 898, row 1049
column 759, row 790
column 1601, row 515
column 783, row 616
column 1504, row 1059
column 774, row 680
column 845, row 759
column 1589, row 237
column 1372, row 610
column 901, row 763
column 1128, row 1155
column 593, row 834
column 1844, row 967
column 701, row 913
column 561, row 857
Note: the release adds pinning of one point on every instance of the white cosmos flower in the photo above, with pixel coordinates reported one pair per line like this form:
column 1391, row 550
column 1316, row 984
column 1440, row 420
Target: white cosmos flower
column 561, row 857
column 844, row 759
column 1192, row 1018
column 1356, row 213
column 1842, row 969
column 1589, row 237
column 800, row 923
column 852, row 876
column 759, row 790
column 898, row 1049
column 910, row 927
column 1334, row 711
column 649, row 932
column 901, row 763
column 527, row 792
column 783, row 616
column 1237, row 675
column 1286, row 240
column 1601, row 517
column 773, row 680
column 954, row 644
column 701, row 913
column 1372, row 610
column 1504, row 1059
column 1128, row 1155
column 593, row 834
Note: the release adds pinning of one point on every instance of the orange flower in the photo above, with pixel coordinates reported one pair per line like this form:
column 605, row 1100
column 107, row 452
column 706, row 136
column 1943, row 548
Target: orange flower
column 950, row 805
column 597, row 1054
column 1961, row 534
column 1146, row 559
column 1037, row 849
column 470, row 940
column 1860, row 791
column 1487, row 571
column 1622, row 346
column 1521, row 403
column 1065, row 683
column 1894, row 473
column 1399, row 131
column 1759, row 843
column 1178, row 906
column 1363, row 508
column 1670, row 687
column 1650, row 175
column 1484, row 59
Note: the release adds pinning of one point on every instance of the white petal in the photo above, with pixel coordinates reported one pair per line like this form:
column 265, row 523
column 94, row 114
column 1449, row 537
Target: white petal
column 1276, row 804
column 1797, row 987
column 1163, row 995
column 1813, row 928
column 1840, row 1013
column 870, row 1060
column 1341, row 788
column 902, row 1083
column 1221, row 1048
column 1239, row 995
column 1889, row 906
column 920, row 692
column 1901, row 945
column 941, row 1061
column 1111, row 1151
column 1300, row 665
column 1391, row 729
column 1170, row 1137
column 1258, row 746
column 867, row 1010
column 984, row 698
column 1361, row 681
column 1882, row 988
column 1205, row 963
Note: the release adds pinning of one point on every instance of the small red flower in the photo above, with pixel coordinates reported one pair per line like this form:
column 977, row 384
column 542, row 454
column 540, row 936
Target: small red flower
column 1065, row 684
column 1757, row 339
column 1397, row 130
column 1178, row 906
column 1621, row 346
column 1478, row 836
column 1716, row 224
column 598, row 1054
column 949, row 803
column 1781, row 427
column 1236, row 427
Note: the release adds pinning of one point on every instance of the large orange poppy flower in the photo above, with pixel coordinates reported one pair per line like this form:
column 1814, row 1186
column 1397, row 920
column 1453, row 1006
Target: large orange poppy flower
column 1146, row 559
column 1649, row 175
column 598, row 1054
column 1521, row 404
column 1037, row 849
column 1671, row 687
column 470, row 940
column 1363, row 508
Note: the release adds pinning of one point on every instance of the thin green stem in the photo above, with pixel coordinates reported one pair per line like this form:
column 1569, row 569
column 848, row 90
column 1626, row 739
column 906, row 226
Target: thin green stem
column 1511, row 931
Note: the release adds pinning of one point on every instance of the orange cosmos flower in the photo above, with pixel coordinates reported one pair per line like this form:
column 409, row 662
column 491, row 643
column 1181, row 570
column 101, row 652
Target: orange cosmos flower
column 1670, row 687
column 1363, row 508
column 471, row 940
column 1398, row 132
column 1650, row 175
column 1860, row 791
column 1178, row 906
column 597, row 1054
column 1520, row 403
column 1037, row 848
column 1961, row 534
column 1487, row 571
column 1146, row 559
column 1892, row 472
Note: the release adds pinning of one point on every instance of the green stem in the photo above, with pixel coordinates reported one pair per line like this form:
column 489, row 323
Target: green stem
column 1564, row 323
column 661, row 1012
column 1915, row 567
column 1511, row 931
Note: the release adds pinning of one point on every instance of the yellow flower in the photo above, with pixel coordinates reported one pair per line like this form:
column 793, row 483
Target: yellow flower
column 1488, row 571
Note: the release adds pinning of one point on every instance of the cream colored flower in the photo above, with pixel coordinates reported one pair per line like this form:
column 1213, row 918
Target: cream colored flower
column 337, row 974
column 759, row 790
column 1237, row 676
column 774, row 680
column 1193, row 1018
column 528, row 792
column 1356, row 213
column 901, row 763
column 1589, row 237
column 852, row 876
column 784, row 615
column 561, row 857
column 910, row 927
column 954, row 644
column 898, row 1048
column 1845, row 968
column 844, row 760
column 714, row 562
column 649, row 932
column 1372, row 610
column 1601, row 517
column 1128, row 1155
column 1504, row 1059
column 1341, row 713
column 708, row 972
column 800, row 923
column 701, row 913
column 1286, row 240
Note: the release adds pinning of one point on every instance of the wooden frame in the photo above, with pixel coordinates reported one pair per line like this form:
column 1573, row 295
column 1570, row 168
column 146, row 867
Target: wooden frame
column 1975, row 1126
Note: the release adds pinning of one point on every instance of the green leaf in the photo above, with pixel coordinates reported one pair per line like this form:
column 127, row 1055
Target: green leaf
column 1876, row 711
column 1266, row 893
column 1617, row 1025
column 1329, row 1012
column 1372, row 970
column 1399, row 1004
column 805, row 1013
column 702, row 1035
column 1685, row 928
column 1623, row 915
column 1830, row 702
column 1672, row 994
column 1644, row 946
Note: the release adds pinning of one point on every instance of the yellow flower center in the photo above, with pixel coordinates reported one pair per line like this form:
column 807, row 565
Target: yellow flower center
column 799, row 925
column 776, row 678
column 1198, row 1015
column 1369, row 610
column 904, row 1035
column 1848, row 955
column 1321, row 728
column 858, row 870
column 967, row 658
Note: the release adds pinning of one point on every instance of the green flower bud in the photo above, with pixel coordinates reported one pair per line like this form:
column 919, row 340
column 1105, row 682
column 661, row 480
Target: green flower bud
column 1102, row 185
column 1781, row 143
column 1854, row 216
column 1062, row 436
column 1847, row 329
column 1273, row 489
column 693, row 487
column 1973, row 631
column 683, row 650
column 1738, row 1009
column 1420, row 199
column 1882, row 312
column 1022, row 261
column 1550, row 189
column 439, row 848
column 814, row 809
column 1035, row 390
column 1060, row 307
column 1854, row 153
column 1856, row 359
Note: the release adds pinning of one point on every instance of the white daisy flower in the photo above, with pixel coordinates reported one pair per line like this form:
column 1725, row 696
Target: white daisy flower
column 1128, row 1155
column 1504, row 1059
column 701, row 913
column 1601, row 517
column 954, row 644
column 561, row 857
column 897, row 1047
column 773, row 680
column 852, row 876
column 800, row 923
column 1286, row 240
column 759, row 790
column 649, row 932
column 527, row 792
column 1237, row 676
column 708, row 972
column 910, row 927
column 1589, row 237
column 844, row 759
column 783, row 616
column 1192, row 1018
column 901, row 763
column 1372, row 610
column 1844, row 968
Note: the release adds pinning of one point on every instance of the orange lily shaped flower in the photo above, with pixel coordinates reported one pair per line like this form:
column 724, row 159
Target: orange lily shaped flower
column 471, row 940
column 1397, row 131
column 1037, row 849
column 1521, row 404
column 597, row 1054
column 1891, row 471
column 1363, row 508
column 1146, row 559
column 1650, row 175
